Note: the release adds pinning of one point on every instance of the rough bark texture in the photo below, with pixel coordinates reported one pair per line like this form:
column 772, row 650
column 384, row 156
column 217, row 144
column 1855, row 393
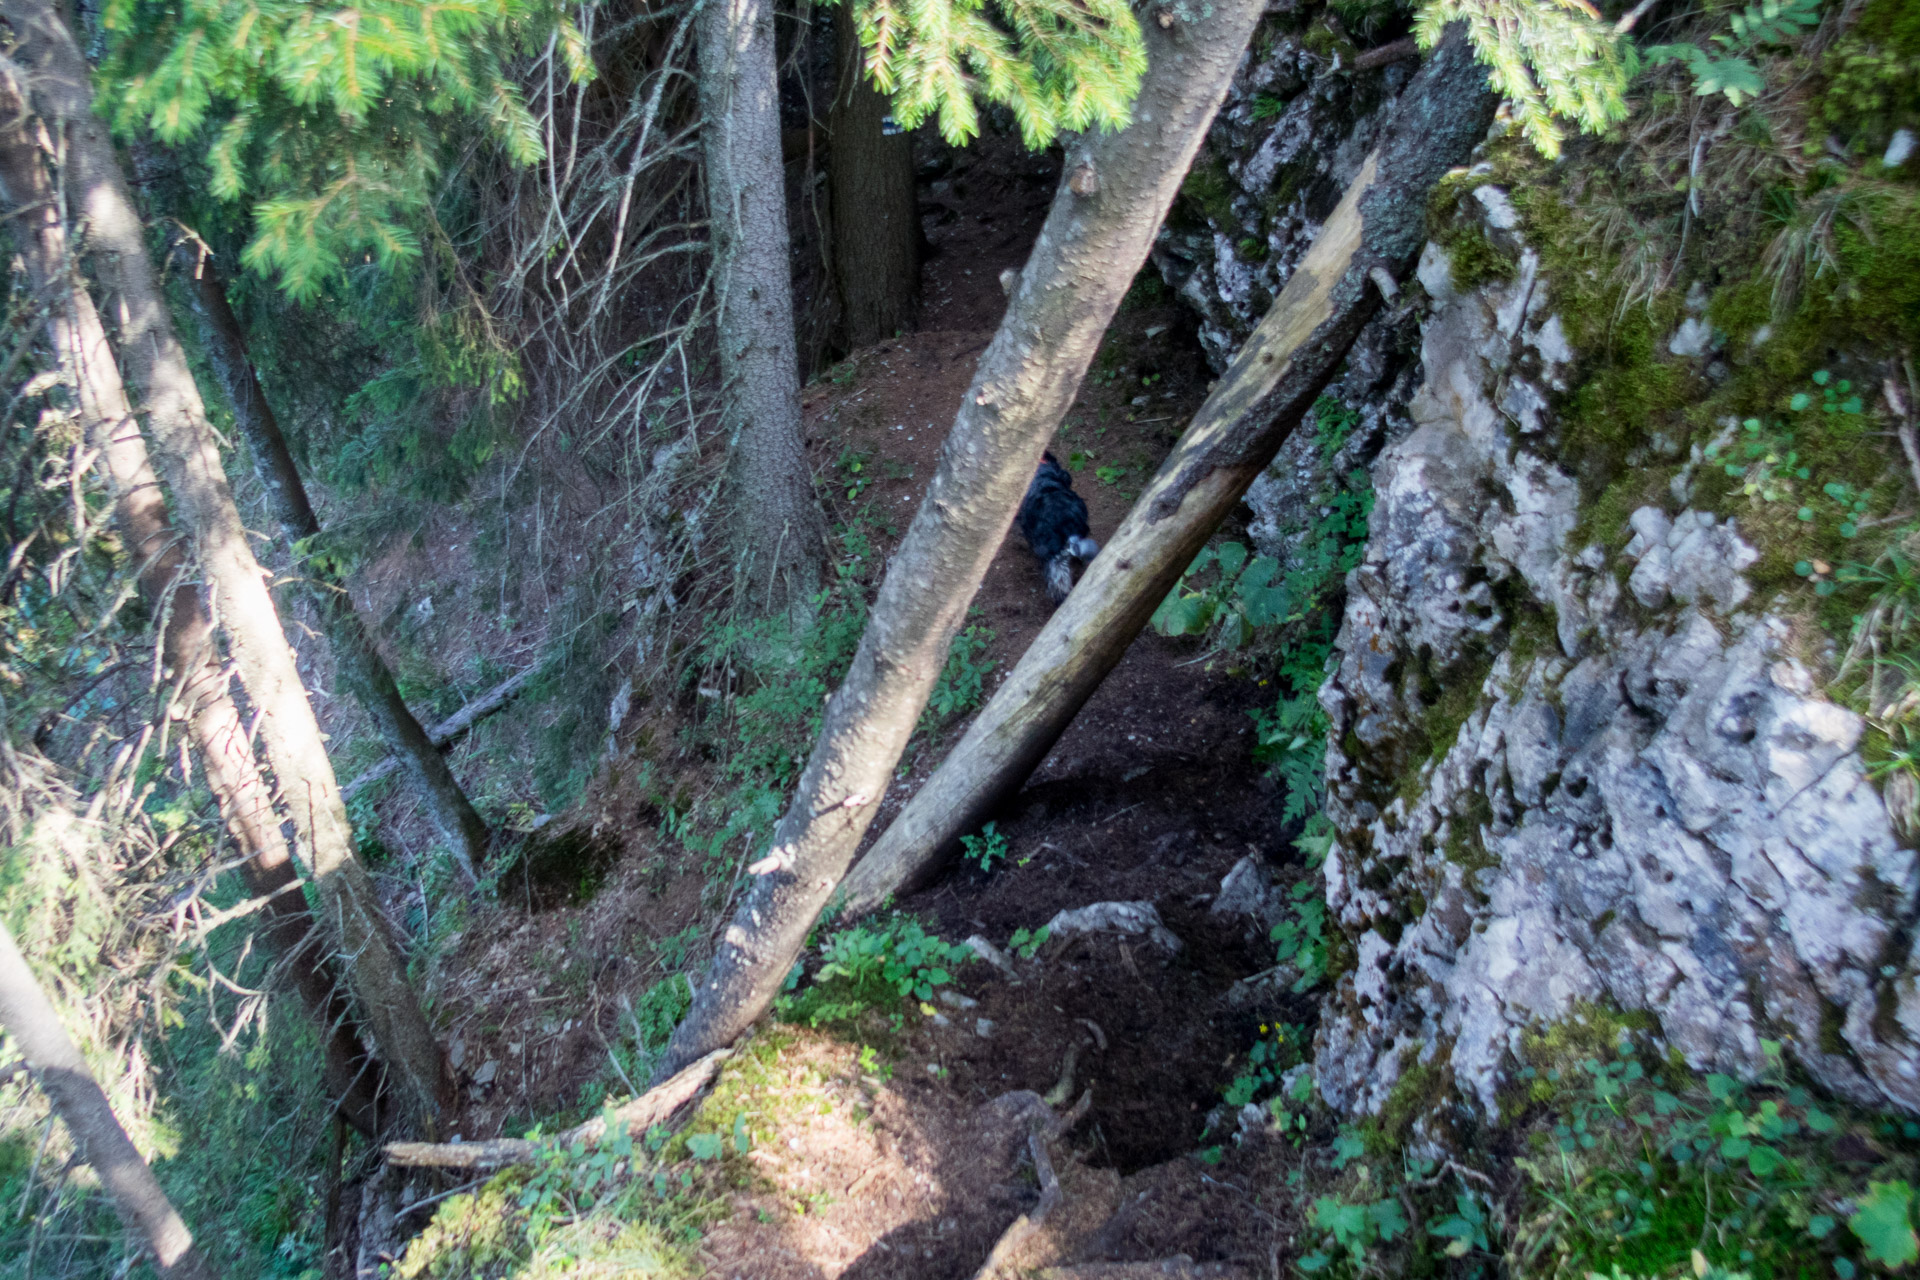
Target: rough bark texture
column 637, row 1115
column 1116, row 192
column 1378, row 225
column 354, row 655
column 143, row 1207
column 189, row 457
column 199, row 691
column 876, row 235
column 779, row 533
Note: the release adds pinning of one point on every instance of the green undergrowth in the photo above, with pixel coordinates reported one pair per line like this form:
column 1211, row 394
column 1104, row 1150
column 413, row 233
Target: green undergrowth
column 1282, row 616
column 622, row 1209
column 212, row 1070
column 1614, row 1159
column 871, row 967
column 777, row 1078
column 1638, row 1165
column 761, row 686
column 1803, row 259
column 637, row 1204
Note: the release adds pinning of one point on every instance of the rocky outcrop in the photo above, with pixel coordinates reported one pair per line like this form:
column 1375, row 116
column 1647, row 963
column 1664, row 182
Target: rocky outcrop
column 1562, row 777
column 1292, row 134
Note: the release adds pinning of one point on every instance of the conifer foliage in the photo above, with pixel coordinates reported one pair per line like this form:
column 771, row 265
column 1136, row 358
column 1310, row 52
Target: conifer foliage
column 1553, row 60
column 331, row 123
column 1057, row 65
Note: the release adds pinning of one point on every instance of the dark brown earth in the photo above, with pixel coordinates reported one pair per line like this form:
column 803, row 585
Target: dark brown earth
column 899, row 1166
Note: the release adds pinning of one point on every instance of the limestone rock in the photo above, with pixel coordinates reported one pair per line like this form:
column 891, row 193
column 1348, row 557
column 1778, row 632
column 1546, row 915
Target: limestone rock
column 1653, row 810
column 1244, row 891
column 1115, row 917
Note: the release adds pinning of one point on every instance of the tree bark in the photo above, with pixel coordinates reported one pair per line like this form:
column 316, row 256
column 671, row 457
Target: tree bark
column 359, row 663
column 778, row 531
column 636, row 1115
column 1115, row 192
column 876, row 237
column 189, row 458
column 76, row 1096
column 1379, row 226
column 453, row 726
column 200, row 695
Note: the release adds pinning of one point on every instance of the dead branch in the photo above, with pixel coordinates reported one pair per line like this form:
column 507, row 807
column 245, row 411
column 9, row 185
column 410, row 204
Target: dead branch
column 1382, row 55
column 650, row 1108
column 453, row 726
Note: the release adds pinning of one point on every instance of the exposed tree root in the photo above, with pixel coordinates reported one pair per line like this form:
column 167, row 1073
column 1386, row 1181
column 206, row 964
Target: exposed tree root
column 1027, row 1223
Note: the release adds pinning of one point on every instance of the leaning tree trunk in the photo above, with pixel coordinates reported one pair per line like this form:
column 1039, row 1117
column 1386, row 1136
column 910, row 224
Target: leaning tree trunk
column 199, row 695
column 778, row 530
column 1110, row 204
column 354, row 654
column 1372, row 236
column 876, row 235
column 189, row 459
column 143, row 1207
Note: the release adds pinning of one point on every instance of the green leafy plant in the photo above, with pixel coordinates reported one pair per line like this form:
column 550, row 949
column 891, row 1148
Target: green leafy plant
column 963, row 680
column 1770, row 467
column 1351, row 1229
column 1238, row 599
column 1281, row 1046
column 1884, row 1224
column 874, row 967
column 1301, row 938
column 1728, row 67
column 1288, row 1108
column 1465, row 1229
column 854, row 463
column 565, row 1181
column 778, row 677
column 1025, row 943
column 985, row 849
column 1643, row 1165
column 1245, row 594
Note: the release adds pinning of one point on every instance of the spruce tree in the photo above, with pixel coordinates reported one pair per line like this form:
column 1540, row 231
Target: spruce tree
column 330, row 127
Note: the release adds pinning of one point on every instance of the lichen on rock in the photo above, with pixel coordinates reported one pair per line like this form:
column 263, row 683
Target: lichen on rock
column 1649, row 805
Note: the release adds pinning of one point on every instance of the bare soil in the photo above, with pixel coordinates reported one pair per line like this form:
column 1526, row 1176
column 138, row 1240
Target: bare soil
column 906, row 1168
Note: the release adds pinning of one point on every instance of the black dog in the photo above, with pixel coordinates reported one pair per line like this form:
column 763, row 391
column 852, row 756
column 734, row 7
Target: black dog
column 1053, row 519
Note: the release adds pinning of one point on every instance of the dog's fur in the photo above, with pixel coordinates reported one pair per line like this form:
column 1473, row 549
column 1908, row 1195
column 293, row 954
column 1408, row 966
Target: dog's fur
column 1053, row 519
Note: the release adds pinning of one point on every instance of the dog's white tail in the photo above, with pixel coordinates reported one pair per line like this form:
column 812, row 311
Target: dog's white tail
column 1059, row 577
column 1083, row 548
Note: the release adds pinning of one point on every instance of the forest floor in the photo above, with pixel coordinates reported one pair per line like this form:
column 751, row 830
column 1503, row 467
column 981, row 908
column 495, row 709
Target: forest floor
column 878, row 1148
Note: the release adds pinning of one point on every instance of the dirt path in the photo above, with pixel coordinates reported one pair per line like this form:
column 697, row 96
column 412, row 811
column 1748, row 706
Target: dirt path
column 1152, row 795
column 883, row 1152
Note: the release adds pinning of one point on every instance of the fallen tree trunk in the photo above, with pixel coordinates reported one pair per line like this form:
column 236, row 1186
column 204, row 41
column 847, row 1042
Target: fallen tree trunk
column 452, row 727
column 188, row 456
column 200, row 694
column 77, row 1099
column 1378, row 228
column 1115, row 191
column 359, row 663
column 642, row 1113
